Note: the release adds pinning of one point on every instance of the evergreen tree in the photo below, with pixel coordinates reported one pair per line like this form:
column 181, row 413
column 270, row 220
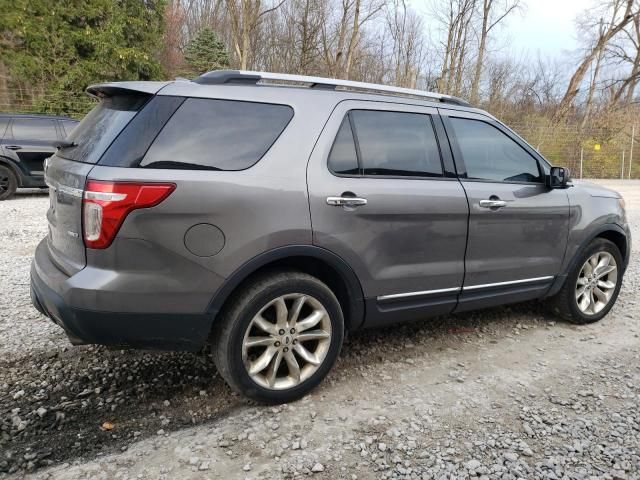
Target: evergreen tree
column 205, row 52
column 54, row 49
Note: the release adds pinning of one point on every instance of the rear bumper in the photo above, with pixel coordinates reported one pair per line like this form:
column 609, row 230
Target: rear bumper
column 165, row 331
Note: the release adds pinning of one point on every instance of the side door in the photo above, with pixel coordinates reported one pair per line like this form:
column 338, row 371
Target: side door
column 384, row 197
column 29, row 141
column 518, row 226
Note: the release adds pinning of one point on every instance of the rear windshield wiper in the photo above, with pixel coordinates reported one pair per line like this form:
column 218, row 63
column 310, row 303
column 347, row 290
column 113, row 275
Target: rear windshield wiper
column 64, row 144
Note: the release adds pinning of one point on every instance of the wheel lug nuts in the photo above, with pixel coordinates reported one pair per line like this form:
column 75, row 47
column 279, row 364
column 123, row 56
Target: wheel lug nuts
column 281, row 332
column 285, row 349
column 293, row 330
column 294, row 341
column 277, row 344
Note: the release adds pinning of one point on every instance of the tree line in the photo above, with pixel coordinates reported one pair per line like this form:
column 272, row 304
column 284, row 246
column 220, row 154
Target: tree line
column 51, row 50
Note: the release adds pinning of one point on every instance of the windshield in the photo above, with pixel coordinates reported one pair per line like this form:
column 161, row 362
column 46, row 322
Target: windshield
column 101, row 126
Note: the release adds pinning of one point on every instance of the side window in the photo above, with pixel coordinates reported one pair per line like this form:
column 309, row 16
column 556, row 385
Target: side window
column 396, row 143
column 3, row 126
column 217, row 135
column 34, row 129
column 489, row 154
column 343, row 158
column 69, row 125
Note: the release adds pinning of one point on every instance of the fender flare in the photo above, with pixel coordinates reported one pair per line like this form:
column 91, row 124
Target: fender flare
column 348, row 276
column 607, row 227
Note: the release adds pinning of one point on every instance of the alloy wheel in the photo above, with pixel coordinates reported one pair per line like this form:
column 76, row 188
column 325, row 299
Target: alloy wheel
column 596, row 283
column 286, row 341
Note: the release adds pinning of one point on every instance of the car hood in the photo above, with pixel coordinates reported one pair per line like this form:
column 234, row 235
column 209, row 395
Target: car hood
column 595, row 190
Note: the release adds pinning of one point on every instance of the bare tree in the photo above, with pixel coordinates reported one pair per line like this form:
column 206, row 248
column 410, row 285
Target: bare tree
column 244, row 17
column 492, row 13
column 626, row 52
column 340, row 40
column 456, row 23
column 621, row 12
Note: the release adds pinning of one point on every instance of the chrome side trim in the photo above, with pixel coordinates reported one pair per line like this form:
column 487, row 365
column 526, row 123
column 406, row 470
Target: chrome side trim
column 415, row 294
column 512, row 282
column 457, row 289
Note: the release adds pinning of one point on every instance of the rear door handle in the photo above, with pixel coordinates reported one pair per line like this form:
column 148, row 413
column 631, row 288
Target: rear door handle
column 13, row 147
column 493, row 203
column 346, row 201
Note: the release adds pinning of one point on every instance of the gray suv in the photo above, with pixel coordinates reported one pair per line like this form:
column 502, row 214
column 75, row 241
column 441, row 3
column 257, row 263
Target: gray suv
column 266, row 215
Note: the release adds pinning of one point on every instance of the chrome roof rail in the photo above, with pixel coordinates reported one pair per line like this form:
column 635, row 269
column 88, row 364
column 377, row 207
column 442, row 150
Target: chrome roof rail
column 220, row 77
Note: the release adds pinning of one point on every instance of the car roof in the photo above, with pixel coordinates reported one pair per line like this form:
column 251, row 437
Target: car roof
column 37, row 115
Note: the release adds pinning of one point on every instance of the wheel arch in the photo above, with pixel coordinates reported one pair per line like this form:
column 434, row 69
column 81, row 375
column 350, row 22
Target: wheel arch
column 16, row 171
column 610, row 231
column 316, row 261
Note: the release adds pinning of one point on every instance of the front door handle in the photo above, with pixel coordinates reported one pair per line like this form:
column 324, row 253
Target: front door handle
column 346, row 201
column 13, row 147
column 493, row 203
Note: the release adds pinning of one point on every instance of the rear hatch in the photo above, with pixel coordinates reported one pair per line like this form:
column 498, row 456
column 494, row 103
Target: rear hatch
column 66, row 172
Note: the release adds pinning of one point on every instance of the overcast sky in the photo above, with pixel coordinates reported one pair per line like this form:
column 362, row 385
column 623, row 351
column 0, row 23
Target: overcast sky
column 545, row 26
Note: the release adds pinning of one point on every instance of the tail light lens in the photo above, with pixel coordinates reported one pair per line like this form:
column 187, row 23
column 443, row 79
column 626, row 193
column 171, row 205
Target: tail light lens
column 105, row 205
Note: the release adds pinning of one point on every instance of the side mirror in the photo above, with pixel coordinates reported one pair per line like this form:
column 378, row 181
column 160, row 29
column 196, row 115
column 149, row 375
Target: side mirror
column 558, row 177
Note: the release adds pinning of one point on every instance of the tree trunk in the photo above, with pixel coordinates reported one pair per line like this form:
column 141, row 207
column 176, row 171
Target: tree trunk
column 475, row 83
column 576, row 79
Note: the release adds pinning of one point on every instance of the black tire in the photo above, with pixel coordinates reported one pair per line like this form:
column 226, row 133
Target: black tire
column 8, row 183
column 229, row 332
column 564, row 303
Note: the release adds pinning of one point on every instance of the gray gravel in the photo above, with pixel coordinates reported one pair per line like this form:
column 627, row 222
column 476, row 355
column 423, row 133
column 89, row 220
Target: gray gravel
column 504, row 393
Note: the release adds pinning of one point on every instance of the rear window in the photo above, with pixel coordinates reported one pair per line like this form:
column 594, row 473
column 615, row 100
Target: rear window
column 217, row 135
column 101, row 126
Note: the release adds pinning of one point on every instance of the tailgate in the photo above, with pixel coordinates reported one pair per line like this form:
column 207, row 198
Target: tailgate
column 66, row 172
column 66, row 180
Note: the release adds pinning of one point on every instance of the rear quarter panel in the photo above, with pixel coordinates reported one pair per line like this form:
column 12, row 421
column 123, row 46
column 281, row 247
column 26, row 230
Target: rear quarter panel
column 258, row 209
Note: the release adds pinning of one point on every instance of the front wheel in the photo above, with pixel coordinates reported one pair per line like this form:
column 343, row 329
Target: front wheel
column 592, row 287
column 279, row 337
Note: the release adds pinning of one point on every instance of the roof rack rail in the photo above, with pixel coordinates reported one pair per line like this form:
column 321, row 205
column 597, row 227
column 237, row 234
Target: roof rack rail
column 220, row 77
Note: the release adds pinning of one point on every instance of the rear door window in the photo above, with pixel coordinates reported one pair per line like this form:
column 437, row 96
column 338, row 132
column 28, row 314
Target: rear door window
column 93, row 135
column 398, row 144
column 34, row 130
column 217, row 135
column 343, row 159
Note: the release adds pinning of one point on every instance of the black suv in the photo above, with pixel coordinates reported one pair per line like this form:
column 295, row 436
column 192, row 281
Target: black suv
column 25, row 142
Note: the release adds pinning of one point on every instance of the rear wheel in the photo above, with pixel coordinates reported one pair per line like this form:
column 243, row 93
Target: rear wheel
column 592, row 287
column 279, row 337
column 8, row 182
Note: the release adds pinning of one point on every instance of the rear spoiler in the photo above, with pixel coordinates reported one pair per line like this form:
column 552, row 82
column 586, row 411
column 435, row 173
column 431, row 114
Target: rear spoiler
column 110, row 89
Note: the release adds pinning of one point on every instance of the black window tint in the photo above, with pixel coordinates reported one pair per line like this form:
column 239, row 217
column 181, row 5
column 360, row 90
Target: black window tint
column 396, row 143
column 34, row 129
column 101, row 126
column 217, row 134
column 489, row 154
column 343, row 158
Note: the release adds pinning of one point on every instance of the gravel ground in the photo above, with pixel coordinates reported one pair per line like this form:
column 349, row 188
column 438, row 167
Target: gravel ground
column 502, row 393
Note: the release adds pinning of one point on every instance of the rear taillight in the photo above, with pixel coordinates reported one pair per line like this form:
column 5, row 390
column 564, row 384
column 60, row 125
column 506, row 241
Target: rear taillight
column 105, row 205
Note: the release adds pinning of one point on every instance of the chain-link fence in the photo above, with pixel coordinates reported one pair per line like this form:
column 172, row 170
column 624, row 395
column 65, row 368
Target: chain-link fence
column 69, row 104
column 589, row 150
column 601, row 148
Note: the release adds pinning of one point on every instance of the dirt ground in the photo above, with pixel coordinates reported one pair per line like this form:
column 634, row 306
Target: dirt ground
column 501, row 393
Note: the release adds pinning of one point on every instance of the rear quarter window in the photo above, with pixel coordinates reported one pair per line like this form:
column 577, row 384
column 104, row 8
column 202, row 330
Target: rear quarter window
column 217, row 135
